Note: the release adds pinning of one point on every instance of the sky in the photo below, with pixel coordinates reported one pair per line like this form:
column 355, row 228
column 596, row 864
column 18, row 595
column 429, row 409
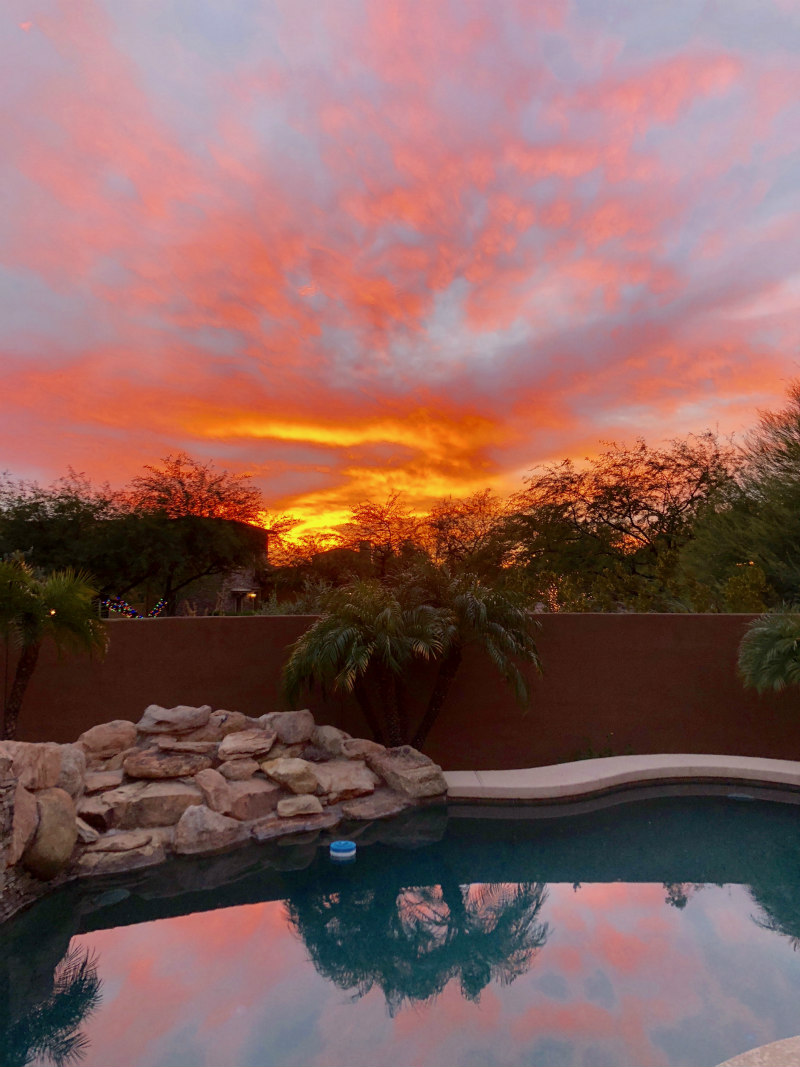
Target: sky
column 354, row 246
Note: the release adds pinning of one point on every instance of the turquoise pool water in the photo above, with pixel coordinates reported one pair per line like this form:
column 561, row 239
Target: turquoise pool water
column 660, row 931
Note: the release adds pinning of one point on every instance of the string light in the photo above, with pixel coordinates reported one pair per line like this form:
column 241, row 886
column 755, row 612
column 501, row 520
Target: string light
column 122, row 607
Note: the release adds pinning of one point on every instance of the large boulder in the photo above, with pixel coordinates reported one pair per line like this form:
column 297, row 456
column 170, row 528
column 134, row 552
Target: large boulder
column 201, row 830
column 407, row 771
column 50, row 850
column 155, row 804
column 293, row 774
column 107, row 739
column 73, row 770
column 179, row 720
column 36, row 766
column 290, row 807
column 246, row 743
column 24, row 825
column 154, row 763
column 344, row 779
column 214, row 788
column 329, row 739
column 253, row 799
column 139, row 804
column 292, row 727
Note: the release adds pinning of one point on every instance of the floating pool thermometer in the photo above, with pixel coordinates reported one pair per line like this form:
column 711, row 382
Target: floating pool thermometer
column 343, row 851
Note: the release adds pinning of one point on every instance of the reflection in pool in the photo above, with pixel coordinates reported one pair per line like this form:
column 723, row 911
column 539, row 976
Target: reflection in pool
column 656, row 932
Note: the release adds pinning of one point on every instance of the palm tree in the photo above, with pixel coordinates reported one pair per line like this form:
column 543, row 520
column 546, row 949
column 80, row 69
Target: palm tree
column 482, row 616
column 34, row 609
column 372, row 632
column 362, row 645
column 769, row 652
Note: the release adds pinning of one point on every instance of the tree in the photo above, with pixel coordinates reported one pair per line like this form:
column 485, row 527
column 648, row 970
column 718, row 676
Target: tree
column 622, row 520
column 498, row 621
column 364, row 644
column 755, row 521
column 769, row 652
column 372, row 634
column 390, row 528
column 33, row 610
column 470, row 534
column 184, row 486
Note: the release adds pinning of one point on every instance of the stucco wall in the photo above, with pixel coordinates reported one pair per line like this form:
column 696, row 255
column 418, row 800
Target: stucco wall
column 638, row 683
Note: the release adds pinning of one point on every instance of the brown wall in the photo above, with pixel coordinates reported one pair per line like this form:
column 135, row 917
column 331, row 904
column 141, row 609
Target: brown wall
column 639, row 683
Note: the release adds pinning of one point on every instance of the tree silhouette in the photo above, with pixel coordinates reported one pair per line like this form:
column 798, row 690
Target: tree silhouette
column 411, row 941
column 49, row 1029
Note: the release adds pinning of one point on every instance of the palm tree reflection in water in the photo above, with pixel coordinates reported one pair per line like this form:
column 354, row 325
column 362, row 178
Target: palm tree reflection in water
column 47, row 1028
column 410, row 942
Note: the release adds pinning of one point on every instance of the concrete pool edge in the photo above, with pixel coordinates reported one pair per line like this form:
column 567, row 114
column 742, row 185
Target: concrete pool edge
column 565, row 782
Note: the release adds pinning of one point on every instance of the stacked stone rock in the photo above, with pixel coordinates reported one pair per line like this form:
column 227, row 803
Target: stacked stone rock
column 189, row 781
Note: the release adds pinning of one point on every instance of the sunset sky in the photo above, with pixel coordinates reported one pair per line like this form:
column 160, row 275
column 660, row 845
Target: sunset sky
column 358, row 245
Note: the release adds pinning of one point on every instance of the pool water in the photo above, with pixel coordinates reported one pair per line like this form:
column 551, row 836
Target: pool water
column 659, row 931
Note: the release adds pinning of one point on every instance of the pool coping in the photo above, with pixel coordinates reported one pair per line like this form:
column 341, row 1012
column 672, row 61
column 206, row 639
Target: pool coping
column 563, row 782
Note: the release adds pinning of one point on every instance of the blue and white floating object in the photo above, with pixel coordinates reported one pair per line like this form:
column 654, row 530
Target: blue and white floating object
column 342, row 851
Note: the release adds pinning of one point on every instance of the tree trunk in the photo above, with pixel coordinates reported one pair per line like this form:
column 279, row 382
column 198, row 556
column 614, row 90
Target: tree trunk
column 444, row 679
column 363, row 701
column 25, row 668
column 388, row 694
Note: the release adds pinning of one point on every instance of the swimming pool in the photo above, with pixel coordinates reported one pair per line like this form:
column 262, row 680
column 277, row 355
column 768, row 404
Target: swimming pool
column 652, row 930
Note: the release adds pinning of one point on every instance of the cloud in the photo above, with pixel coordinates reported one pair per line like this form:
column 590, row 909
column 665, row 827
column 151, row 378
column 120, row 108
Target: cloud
column 432, row 244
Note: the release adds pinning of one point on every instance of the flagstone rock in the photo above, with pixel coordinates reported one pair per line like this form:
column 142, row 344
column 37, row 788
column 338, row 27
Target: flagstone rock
column 153, row 763
column 238, row 770
column 86, row 833
column 24, row 825
column 98, row 781
column 279, row 751
column 219, row 725
column 290, row 807
column 107, row 739
column 179, row 720
column 293, row 774
column 201, row 830
column 120, row 841
column 114, row 763
column 103, row 863
column 329, row 739
column 200, row 748
column 273, row 826
column 96, row 811
column 344, row 779
column 246, row 743
column 253, row 799
column 292, row 727
column 36, row 766
column 214, row 788
column 73, row 770
column 381, row 805
column 51, row 848
column 408, row 771
column 360, row 748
